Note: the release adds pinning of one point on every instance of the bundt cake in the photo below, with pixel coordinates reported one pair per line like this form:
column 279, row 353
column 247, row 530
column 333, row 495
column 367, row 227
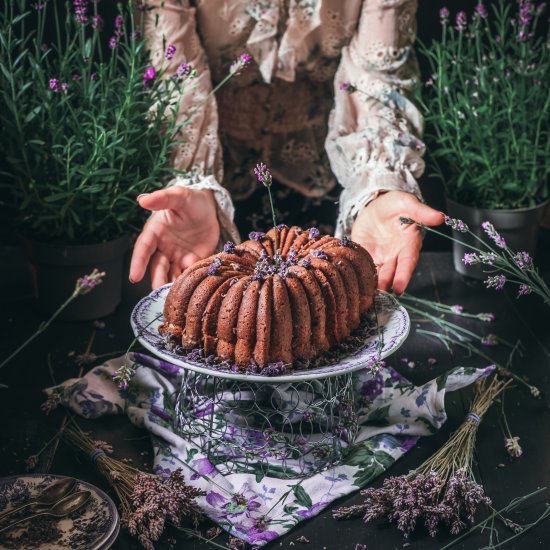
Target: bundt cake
column 254, row 305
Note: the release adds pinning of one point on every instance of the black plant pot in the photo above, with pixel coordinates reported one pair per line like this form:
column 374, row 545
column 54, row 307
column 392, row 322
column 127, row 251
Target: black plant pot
column 519, row 227
column 56, row 268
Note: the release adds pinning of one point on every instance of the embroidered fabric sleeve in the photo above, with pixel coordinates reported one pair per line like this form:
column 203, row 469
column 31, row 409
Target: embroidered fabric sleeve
column 373, row 140
column 174, row 22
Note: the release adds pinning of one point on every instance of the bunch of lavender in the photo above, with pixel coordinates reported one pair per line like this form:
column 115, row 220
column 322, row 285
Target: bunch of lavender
column 442, row 491
column 83, row 285
column 502, row 264
column 148, row 502
column 486, row 104
column 88, row 123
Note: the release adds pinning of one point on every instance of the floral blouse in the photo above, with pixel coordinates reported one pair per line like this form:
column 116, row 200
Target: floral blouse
column 290, row 108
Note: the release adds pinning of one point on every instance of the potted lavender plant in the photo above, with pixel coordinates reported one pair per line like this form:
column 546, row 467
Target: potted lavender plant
column 81, row 140
column 487, row 112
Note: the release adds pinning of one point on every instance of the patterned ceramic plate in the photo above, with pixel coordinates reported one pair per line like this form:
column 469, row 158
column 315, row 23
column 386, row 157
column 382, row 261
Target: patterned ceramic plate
column 93, row 527
column 387, row 330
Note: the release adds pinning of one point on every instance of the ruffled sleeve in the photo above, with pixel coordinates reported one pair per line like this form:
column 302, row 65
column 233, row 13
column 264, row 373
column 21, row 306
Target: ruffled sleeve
column 174, row 22
column 373, row 141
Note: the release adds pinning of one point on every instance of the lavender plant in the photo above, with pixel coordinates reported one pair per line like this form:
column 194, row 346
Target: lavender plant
column 442, row 491
column 88, row 124
column 502, row 265
column 486, row 105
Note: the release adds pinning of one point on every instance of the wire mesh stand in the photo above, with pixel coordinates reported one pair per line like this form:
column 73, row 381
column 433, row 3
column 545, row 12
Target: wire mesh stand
column 283, row 429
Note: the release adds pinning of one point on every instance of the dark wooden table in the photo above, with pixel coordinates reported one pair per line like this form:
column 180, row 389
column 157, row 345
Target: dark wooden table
column 24, row 428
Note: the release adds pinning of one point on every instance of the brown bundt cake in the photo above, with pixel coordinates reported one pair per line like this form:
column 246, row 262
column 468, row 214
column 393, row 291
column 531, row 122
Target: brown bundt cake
column 251, row 305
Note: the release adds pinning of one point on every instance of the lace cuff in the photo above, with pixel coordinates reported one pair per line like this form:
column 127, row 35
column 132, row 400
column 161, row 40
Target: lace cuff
column 225, row 208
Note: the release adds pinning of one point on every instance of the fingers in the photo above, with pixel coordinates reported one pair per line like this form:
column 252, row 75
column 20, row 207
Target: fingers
column 386, row 273
column 160, row 265
column 403, row 273
column 424, row 214
column 164, row 199
column 145, row 246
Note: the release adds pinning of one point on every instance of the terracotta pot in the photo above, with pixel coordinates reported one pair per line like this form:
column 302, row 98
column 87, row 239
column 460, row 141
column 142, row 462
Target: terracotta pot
column 56, row 268
column 519, row 227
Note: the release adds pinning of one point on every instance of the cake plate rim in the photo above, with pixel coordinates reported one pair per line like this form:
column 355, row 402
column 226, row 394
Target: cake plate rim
column 147, row 315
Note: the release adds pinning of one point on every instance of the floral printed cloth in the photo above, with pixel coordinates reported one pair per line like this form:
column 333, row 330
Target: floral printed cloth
column 289, row 108
column 392, row 415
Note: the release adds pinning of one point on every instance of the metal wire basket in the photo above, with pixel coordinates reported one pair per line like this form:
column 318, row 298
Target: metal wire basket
column 288, row 429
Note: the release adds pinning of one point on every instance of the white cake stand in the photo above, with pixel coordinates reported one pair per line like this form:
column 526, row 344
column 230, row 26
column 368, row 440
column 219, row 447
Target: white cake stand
column 290, row 425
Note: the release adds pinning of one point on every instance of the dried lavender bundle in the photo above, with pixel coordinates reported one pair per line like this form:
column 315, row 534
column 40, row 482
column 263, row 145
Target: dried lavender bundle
column 443, row 489
column 147, row 501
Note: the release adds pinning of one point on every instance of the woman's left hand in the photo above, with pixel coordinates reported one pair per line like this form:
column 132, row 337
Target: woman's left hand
column 394, row 247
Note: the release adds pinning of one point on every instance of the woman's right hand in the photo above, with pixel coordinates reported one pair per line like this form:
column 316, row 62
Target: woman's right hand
column 184, row 228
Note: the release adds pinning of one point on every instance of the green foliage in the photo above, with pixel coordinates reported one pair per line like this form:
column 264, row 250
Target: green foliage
column 80, row 149
column 487, row 107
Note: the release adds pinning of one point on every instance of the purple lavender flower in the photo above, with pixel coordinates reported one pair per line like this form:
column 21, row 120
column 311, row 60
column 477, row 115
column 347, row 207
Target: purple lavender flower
column 461, row 21
column 444, row 15
column 306, row 262
column 314, row 233
column 345, row 241
column 184, row 69
column 263, row 175
column 497, row 282
column 523, row 260
column 119, row 21
column 321, row 254
column 456, row 224
column 54, row 84
column 97, row 22
column 490, row 340
column 273, row 369
column 93, row 76
column 524, row 290
column 39, row 6
column 229, row 247
column 526, row 12
column 481, row 10
column 280, row 227
column 487, row 258
column 239, row 64
column 149, row 77
column 170, row 52
column 113, row 42
column 487, row 317
column 493, row 234
column 457, row 309
column 348, row 87
column 64, row 87
column 135, row 35
column 81, row 10
column 512, row 446
column 470, row 258
column 214, row 266
column 256, row 235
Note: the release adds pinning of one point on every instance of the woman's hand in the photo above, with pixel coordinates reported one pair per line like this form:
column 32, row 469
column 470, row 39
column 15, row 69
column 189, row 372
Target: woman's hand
column 183, row 229
column 394, row 247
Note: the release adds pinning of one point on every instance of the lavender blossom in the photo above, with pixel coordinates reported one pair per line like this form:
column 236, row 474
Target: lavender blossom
column 523, row 260
column 470, row 258
column 490, row 340
column 214, row 266
column 87, row 283
column 306, row 262
column 54, row 84
column 239, row 64
column 184, row 69
column 345, row 241
column 493, row 234
column 457, row 309
column 149, row 77
column 81, row 10
column 229, row 247
column 461, row 21
column 444, row 15
column 123, row 376
column 348, row 87
column 273, row 369
column 497, row 282
column 97, row 22
column 256, row 235
column 64, row 87
column 524, row 290
column 170, row 52
column 314, row 233
column 321, row 254
column 487, row 317
column 263, row 175
column 512, row 446
column 481, row 10
column 113, row 42
column 119, row 21
column 456, row 224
